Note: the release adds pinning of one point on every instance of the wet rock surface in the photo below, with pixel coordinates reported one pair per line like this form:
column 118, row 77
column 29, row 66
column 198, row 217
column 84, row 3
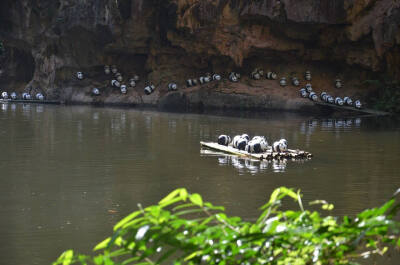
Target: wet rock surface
column 46, row 42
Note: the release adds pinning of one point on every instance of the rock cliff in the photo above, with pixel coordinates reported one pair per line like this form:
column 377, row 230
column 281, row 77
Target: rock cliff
column 47, row 41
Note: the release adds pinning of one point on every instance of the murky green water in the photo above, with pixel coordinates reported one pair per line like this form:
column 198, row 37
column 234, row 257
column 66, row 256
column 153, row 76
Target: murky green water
column 69, row 173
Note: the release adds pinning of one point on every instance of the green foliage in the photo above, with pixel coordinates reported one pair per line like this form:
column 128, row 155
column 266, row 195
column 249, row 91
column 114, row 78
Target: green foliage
column 388, row 97
column 183, row 229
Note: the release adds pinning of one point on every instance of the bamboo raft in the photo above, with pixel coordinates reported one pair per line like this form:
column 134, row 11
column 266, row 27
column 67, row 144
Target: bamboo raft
column 30, row 101
column 269, row 155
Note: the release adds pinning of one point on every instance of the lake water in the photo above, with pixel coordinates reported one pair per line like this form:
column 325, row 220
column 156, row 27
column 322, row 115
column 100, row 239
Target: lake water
column 68, row 173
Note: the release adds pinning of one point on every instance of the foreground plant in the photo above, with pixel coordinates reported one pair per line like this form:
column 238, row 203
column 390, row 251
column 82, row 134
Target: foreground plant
column 182, row 229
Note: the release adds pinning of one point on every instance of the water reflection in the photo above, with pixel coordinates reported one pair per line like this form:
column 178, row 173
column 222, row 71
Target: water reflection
column 4, row 107
column 337, row 125
column 248, row 165
column 69, row 173
column 39, row 108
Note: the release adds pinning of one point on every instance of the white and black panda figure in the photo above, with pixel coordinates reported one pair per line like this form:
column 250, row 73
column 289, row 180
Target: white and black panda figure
column 313, row 96
column 323, row 96
column 338, row 83
column 136, row 78
column 201, row 80
column 295, row 81
column 4, row 95
column 307, row 76
column 207, row 79
column 95, row 91
column 258, row 138
column 253, row 147
column 14, row 95
column 114, row 69
column 79, row 75
column 280, row 146
column 26, row 96
column 348, row 101
column 240, row 142
column 189, row 83
column 309, row 88
column 357, row 104
column 132, row 82
column 123, row 89
column 303, row 93
column 39, row 96
column 234, row 77
column 119, row 77
column 330, row 100
column 195, row 82
column 283, row 81
column 260, row 71
column 224, row 139
column 172, row 87
column 257, row 145
column 339, row 101
column 246, row 136
column 107, row 70
column 216, row 77
column 115, row 83
column 255, row 74
column 272, row 76
column 149, row 89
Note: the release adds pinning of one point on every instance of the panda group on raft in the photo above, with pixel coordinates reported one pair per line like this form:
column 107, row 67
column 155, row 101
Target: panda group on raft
column 258, row 144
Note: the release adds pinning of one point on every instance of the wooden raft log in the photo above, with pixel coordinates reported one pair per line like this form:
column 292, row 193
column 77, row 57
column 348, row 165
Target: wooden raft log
column 291, row 154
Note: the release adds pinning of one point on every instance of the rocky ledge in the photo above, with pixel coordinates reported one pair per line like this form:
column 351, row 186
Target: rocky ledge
column 47, row 41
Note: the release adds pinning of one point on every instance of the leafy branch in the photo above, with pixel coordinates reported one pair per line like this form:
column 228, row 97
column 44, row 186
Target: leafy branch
column 184, row 229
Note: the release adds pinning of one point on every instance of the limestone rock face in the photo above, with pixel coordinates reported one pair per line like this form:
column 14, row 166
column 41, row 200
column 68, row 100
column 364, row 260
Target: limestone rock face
column 47, row 41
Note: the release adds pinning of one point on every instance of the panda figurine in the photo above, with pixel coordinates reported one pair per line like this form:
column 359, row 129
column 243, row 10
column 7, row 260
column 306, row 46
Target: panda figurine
column 283, row 81
column 107, row 70
column 348, row 101
column 123, row 89
column 280, row 146
column 149, row 89
column 216, row 77
column 358, row 104
column 323, row 96
column 240, row 142
column 303, row 93
column 132, row 82
column 96, row 91
column 295, row 81
column 13, row 95
column 313, row 96
column 309, row 88
column 79, row 75
column 330, row 100
column 224, row 139
column 39, row 96
column 339, row 101
column 307, row 76
column 26, row 96
column 172, row 87
column 272, row 76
